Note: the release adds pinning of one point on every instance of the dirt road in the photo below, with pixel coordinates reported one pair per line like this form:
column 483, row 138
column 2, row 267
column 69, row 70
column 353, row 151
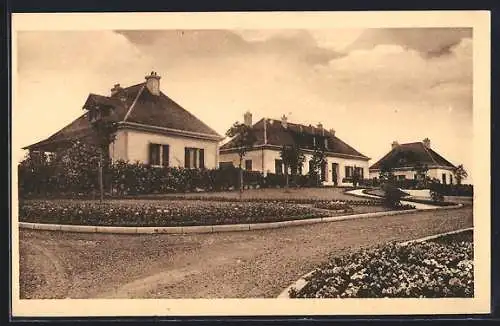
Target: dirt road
column 221, row 265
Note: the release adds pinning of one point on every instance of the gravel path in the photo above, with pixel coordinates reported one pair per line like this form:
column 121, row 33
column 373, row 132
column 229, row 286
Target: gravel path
column 220, row 265
column 359, row 192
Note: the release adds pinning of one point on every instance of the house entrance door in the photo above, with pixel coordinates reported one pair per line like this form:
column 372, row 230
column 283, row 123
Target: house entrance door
column 335, row 173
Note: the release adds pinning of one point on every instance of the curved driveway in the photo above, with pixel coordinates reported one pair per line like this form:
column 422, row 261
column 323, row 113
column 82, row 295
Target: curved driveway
column 359, row 192
column 220, row 265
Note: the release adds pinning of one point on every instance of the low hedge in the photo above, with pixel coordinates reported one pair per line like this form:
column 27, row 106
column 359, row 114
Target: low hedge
column 155, row 213
column 432, row 269
column 453, row 189
column 53, row 179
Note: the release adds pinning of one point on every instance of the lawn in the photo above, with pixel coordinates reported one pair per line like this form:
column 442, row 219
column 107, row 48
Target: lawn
column 325, row 193
column 256, row 264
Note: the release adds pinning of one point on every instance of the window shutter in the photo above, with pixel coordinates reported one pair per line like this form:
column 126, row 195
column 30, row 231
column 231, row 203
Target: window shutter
column 151, row 149
column 165, row 155
column 202, row 158
column 186, row 158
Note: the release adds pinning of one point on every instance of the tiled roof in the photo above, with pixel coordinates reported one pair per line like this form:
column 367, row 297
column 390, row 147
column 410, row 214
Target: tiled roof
column 407, row 155
column 299, row 134
column 162, row 111
column 147, row 109
column 78, row 129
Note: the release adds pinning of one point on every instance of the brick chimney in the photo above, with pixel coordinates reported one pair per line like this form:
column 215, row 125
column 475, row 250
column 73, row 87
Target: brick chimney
column 284, row 122
column 394, row 144
column 247, row 118
column 427, row 142
column 153, row 83
column 332, row 131
column 116, row 89
column 320, row 127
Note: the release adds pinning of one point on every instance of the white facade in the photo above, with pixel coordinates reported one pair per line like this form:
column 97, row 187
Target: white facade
column 133, row 146
column 263, row 160
column 436, row 173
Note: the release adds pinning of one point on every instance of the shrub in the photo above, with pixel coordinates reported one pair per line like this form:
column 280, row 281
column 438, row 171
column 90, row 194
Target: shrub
column 452, row 189
column 369, row 182
column 436, row 192
column 392, row 196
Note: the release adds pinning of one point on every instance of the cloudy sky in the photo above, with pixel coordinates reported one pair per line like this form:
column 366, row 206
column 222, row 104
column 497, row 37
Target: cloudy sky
column 373, row 86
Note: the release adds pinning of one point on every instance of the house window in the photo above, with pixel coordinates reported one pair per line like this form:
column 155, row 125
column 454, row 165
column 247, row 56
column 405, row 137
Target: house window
column 154, row 154
column 401, row 177
column 94, row 115
column 194, row 158
column 349, row 171
column 451, row 179
column 248, row 165
column 415, row 176
column 324, row 171
column 165, row 155
column 359, row 172
column 278, row 166
column 159, row 154
column 443, row 178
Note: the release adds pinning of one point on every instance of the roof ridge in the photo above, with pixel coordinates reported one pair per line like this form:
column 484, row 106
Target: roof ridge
column 428, row 153
column 189, row 113
column 440, row 156
column 134, row 102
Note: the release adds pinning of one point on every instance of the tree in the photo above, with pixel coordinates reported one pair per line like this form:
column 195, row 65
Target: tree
column 104, row 134
column 386, row 173
column 244, row 139
column 356, row 176
column 460, row 173
column 317, row 162
column 292, row 158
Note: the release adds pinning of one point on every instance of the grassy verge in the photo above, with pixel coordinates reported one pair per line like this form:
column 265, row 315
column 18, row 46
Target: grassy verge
column 437, row 268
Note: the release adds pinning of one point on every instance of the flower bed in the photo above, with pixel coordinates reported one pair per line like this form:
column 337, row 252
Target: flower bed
column 438, row 268
column 333, row 205
column 160, row 213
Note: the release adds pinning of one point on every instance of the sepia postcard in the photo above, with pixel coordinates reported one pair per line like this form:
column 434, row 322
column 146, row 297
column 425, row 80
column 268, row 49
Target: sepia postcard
column 271, row 163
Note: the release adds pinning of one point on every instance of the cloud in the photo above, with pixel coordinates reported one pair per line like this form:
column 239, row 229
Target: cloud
column 429, row 42
column 72, row 50
column 395, row 72
column 297, row 45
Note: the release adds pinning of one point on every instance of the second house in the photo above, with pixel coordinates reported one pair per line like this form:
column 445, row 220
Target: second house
column 341, row 159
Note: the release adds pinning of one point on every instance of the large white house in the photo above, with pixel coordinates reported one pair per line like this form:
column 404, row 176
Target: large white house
column 152, row 128
column 403, row 158
column 342, row 159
